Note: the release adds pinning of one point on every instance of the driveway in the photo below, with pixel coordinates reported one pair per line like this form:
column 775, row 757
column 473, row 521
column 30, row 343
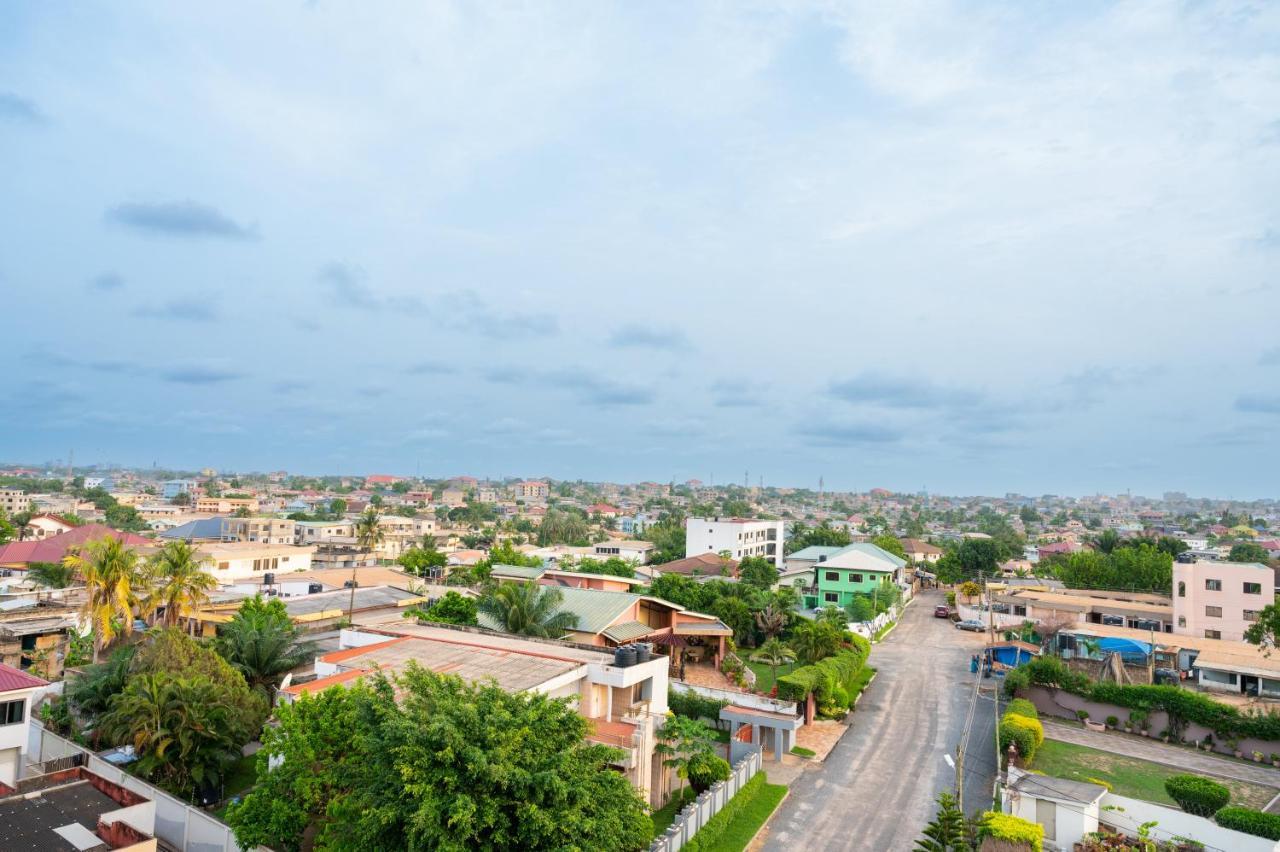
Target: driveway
column 877, row 788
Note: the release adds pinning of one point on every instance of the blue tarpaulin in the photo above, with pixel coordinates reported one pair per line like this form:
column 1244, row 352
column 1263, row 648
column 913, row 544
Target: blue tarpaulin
column 1123, row 646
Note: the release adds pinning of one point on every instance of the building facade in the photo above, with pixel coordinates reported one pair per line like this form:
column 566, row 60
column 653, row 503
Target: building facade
column 739, row 537
column 1219, row 600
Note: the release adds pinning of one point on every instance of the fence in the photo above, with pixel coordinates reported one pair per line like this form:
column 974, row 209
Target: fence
column 742, row 699
column 699, row 812
column 178, row 824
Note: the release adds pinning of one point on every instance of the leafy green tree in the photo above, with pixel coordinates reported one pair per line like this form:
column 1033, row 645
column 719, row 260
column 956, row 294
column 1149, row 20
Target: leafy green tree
column 680, row 742
column 1249, row 552
column 1107, row 541
column 528, row 609
column 423, row 560
column 737, row 615
column 450, row 767
column 822, row 535
column 338, row 506
column 92, row 691
column 613, row 566
column 891, row 544
column 563, row 527
column 1029, row 515
column 7, row 531
column 668, row 537
column 774, row 654
column 833, row 615
column 125, row 518
column 972, row 557
column 262, row 643
column 453, row 608
column 949, row 831
column 758, row 572
column 860, row 608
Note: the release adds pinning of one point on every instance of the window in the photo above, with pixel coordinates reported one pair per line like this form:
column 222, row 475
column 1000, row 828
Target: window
column 1253, row 588
column 855, row 578
column 1213, row 585
column 1182, row 621
column 1213, row 634
column 1251, row 615
column 1213, row 611
column 831, row 597
column 833, row 576
column 222, row 566
column 1182, row 589
column 11, row 712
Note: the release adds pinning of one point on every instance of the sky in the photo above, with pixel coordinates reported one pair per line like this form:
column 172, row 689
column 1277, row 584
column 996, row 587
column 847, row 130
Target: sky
column 964, row 247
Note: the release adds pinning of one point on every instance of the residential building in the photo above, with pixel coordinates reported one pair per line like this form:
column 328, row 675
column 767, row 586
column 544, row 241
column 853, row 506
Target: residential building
column 17, row 699
column 740, row 537
column 47, row 525
column 921, row 551
column 13, row 501
column 20, row 554
column 532, row 490
column 173, row 487
column 636, row 552
column 1053, row 606
column 565, row 578
column 225, row 505
column 259, row 530
column 318, row 532
column 52, row 811
column 702, row 565
column 626, row 704
column 157, row 511
column 856, row 569
column 231, row 561
column 1219, row 600
column 35, row 634
column 314, row 611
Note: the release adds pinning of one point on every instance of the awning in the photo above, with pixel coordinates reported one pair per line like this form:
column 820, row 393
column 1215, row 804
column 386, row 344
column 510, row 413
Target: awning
column 626, row 631
column 1121, row 645
column 702, row 628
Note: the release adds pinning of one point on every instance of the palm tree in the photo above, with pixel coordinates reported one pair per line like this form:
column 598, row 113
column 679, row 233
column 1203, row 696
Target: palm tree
column 773, row 653
column 528, row 609
column 181, row 585
column 262, row 643
column 369, row 534
column 815, row 640
column 110, row 572
column 51, row 575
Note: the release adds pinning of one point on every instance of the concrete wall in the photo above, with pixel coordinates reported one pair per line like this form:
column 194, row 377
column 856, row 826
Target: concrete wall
column 1125, row 814
column 699, row 812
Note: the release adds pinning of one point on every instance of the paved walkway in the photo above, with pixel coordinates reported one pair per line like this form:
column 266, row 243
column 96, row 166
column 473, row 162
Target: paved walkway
column 1180, row 757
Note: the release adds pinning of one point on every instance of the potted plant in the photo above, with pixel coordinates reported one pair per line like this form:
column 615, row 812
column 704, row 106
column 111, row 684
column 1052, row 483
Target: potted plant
column 1207, row 742
column 1113, row 722
column 1257, row 757
column 1234, row 745
column 1275, row 759
column 1082, row 715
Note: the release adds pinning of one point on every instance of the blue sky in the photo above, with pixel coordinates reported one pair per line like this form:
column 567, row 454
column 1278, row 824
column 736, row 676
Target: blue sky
column 973, row 247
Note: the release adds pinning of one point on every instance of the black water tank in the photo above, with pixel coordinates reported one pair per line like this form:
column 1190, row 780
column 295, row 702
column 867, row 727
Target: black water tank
column 351, row 584
column 268, row 579
column 624, row 656
column 642, row 652
column 314, row 588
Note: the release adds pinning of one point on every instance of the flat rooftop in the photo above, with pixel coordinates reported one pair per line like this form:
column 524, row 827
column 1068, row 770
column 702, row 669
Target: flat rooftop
column 30, row 823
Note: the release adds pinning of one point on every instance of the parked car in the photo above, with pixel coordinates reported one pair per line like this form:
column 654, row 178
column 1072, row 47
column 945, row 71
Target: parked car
column 942, row 611
column 971, row 624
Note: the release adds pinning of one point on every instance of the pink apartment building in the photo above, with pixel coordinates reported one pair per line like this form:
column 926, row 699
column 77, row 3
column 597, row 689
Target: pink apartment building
column 1219, row 600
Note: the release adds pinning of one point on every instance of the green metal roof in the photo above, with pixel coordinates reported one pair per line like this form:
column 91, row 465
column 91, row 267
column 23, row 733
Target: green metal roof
column 521, row 571
column 626, row 631
column 813, row 551
column 595, row 610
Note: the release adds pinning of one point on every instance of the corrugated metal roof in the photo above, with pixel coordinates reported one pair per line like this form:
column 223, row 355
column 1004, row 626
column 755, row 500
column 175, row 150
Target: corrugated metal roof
column 365, row 598
column 12, row 679
column 596, row 610
column 813, row 551
column 521, row 571
column 627, row 630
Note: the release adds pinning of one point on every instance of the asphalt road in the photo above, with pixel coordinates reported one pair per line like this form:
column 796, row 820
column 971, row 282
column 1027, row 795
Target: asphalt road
column 877, row 788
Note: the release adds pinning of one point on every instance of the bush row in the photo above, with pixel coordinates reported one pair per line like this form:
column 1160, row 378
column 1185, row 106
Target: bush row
column 694, row 706
column 1020, row 725
column 1182, row 705
column 1250, row 821
column 710, row 834
column 831, row 681
column 1012, row 829
column 1196, row 795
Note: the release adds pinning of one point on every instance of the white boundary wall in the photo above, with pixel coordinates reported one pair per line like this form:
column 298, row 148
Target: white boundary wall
column 699, row 812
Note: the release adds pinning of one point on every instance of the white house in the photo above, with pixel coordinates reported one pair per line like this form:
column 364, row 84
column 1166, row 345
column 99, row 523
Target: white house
column 16, row 691
column 740, row 537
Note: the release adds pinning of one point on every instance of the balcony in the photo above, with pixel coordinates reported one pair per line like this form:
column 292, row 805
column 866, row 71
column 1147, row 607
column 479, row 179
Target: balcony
column 619, row 735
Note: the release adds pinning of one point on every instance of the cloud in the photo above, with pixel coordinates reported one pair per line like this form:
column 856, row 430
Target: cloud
column 427, row 433
column 642, row 336
column 1257, row 404
column 844, row 434
column 19, row 110
column 901, row 393
column 290, row 386
column 586, row 386
column 106, row 281
column 430, row 368
column 371, row 392
column 183, row 310
column 347, row 286
column 466, row 308
column 1268, row 239
column 729, row 393
column 508, row 376
column 200, row 375
column 187, row 219
column 504, row 426
column 1270, row 358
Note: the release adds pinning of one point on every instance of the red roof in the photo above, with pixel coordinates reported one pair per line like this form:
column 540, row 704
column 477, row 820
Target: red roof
column 53, row 548
column 12, row 679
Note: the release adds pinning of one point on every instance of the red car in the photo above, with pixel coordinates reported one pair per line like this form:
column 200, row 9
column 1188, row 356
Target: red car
column 941, row 611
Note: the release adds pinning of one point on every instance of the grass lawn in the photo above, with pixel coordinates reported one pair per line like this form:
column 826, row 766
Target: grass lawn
column 859, row 684
column 738, row 832
column 801, row 751
column 1139, row 779
column 883, row 630
column 764, row 675
column 241, row 775
column 667, row 814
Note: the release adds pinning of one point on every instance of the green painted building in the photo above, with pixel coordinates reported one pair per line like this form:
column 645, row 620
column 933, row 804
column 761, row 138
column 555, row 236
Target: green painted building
column 859, row 568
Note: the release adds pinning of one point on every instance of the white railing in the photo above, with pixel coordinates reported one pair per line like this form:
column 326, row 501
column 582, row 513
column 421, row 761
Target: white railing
column 178, row 824
column 742, row 699
column 699, row 812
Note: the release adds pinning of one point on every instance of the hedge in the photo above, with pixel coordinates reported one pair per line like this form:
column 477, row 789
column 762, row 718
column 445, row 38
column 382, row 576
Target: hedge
column 1196, row 795
column 830, row 680
column 694, row 706
column 1182, row 705
column 1022, row 707
column 1012, row 829
column 710, row 835
column 1249, row 821
column 1026, row 734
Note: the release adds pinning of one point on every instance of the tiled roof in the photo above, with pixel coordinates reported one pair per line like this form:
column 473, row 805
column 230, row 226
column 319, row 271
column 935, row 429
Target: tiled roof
column 12, row 679
column 53, row 548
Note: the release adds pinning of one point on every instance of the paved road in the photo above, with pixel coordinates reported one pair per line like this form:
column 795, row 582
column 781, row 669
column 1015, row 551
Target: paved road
column 876, row 789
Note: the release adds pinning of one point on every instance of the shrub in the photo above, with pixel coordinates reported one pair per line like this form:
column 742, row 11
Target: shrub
column 830, row 680
column 1011, row 829
column 706, row 769
column 1196, row 795
column 1113, row 722
column 1250, row 821
column 1082, row 715
column 691, row 705
column 1026, row 734
column 1022, row 707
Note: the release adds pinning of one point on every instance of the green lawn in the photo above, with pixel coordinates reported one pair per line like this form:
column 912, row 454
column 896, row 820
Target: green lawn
column 801, row 751
column 883, row 630
column 1138, row 779
column 663, row 817
column 764, row 675
column 241, row 775
column 859, row 684
column 734, row 833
